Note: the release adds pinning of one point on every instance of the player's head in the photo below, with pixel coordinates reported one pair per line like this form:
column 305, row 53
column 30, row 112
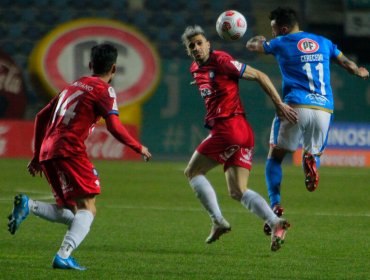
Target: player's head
column 103, row 59
column 283, row 21
column 196, row 43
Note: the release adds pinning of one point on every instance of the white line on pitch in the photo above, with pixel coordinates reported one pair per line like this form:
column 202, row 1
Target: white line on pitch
column 192, row 209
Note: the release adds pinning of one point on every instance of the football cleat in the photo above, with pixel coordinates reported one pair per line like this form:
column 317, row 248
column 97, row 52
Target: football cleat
column 278, row 234
column 311, row 172
column 279, row 211
column 218, row 229
column 19, row 213
column 68, row 263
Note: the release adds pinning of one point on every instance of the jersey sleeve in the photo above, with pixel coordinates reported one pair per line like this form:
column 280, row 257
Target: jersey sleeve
column 231, row 67
column 107, row 103
column 334, row 52
column 269, row 47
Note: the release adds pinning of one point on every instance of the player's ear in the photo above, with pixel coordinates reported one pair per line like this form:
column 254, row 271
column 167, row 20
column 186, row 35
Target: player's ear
column 284, row 30
column 113, row 69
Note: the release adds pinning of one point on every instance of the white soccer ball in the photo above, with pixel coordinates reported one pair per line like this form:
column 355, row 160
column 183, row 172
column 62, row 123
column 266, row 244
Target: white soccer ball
column 231, row 25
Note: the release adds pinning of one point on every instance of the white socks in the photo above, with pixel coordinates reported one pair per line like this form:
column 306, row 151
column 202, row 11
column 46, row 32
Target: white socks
column 207, row 196
column 77, row 232
column 258, row 205
column 79, row 223
column 51, row 212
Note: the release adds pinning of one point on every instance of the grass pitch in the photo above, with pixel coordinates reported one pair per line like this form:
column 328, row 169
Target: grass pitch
column 149, row 225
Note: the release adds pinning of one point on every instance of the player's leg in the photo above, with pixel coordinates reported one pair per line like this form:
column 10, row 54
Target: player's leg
column 284, row 138
column 23, row 205
column 237, row 180
column 274, row 174
column 80, row 185
column 314, row 141
column 80, row 227
column 197, row 167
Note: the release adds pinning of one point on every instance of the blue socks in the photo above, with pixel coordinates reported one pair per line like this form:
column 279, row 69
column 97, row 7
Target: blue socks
column 273, row 176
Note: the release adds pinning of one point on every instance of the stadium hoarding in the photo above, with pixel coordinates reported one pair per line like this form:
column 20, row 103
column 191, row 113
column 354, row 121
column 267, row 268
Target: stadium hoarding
column 348, row 144
column 16, row 141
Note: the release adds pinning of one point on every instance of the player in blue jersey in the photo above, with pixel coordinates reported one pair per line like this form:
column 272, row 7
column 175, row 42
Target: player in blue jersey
column 304, row 61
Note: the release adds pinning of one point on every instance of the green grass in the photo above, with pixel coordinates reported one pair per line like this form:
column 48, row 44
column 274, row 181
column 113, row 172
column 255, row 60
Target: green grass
column 150, row 225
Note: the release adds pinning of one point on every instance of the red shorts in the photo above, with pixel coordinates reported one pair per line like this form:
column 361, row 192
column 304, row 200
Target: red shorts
column 71, row 178
column 230, row 142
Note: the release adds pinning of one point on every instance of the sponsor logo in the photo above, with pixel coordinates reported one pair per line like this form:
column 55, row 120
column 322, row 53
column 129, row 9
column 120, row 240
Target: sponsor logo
column 317, row 99
column 3, row 139
column 307, row 45
column 349, row 136
column 101, row 144
column 12, row 91
column 62, row 56
column 204, row 92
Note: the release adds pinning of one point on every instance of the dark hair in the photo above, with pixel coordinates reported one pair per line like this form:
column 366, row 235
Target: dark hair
column 102, row 57
column 284, row 16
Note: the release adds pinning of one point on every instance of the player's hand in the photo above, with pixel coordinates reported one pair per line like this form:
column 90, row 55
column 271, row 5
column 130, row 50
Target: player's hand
column 255, row 43
column 285, row 111
column 146, row 154
column 34, row 167
column 363, row 73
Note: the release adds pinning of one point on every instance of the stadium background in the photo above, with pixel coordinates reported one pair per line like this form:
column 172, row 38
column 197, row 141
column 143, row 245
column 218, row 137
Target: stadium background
column 172, row 121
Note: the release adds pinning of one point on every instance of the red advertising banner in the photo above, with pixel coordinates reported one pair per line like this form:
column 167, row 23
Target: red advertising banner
column 16, row 140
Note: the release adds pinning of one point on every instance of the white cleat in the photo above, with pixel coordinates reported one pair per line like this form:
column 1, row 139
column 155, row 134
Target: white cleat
column 218, row 228
column 278, row 234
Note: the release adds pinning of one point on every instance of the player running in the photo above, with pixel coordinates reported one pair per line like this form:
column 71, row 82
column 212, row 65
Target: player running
column 61, row 128
column 231, row 140
column 304, row 61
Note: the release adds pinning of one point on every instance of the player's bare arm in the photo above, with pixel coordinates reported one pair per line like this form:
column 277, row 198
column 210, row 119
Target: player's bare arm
column 282, row 109
column 255, row 44
column 352, row 67
column 119, row 132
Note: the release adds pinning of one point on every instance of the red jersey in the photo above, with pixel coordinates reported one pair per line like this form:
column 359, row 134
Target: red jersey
column 75, row 112
column 217, row 80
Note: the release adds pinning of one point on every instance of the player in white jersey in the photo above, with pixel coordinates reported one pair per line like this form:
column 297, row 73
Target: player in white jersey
column 304, row 61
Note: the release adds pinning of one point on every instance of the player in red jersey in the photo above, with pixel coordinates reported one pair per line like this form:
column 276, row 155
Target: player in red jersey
column 61, row 129
column 230, row 141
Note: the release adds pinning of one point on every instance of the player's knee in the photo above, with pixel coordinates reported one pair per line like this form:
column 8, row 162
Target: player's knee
column 236, row 194
column 187, row 172
column 190, row 173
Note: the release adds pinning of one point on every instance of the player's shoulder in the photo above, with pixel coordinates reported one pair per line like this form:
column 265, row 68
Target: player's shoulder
column 217, row 54
column 316, row 37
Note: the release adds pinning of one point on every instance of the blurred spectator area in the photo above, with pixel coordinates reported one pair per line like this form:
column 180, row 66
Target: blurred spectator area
column 24, row 22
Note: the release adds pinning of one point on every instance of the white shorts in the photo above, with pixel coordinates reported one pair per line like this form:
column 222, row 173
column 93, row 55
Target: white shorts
column 311, row 131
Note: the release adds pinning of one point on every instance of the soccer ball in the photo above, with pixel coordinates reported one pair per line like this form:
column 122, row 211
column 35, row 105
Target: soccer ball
column 231, row 25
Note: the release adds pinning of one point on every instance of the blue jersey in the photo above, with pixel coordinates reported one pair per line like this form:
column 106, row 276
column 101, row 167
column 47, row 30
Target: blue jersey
column 304, row 61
